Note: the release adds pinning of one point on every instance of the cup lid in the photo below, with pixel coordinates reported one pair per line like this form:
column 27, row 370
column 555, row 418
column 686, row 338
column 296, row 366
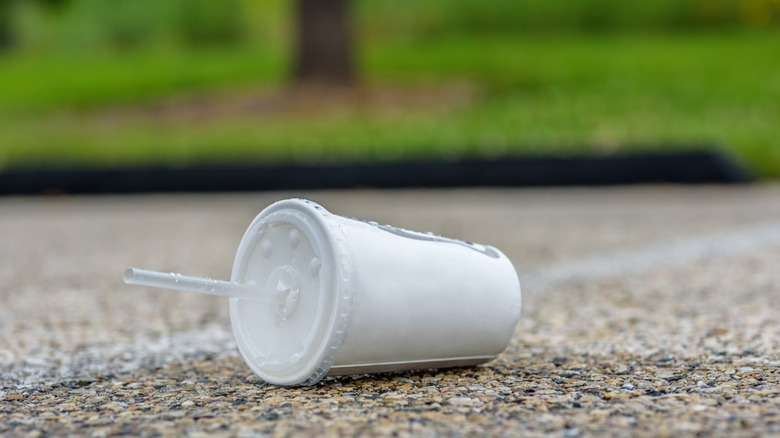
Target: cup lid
column 291, row 252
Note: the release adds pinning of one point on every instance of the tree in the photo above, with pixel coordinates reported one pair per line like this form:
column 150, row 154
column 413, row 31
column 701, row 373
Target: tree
column 325, row 43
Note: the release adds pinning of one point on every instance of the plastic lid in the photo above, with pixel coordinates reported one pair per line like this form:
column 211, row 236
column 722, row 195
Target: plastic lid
column 290, row 252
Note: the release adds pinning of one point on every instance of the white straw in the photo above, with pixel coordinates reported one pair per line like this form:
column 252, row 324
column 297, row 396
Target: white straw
column 170, row 280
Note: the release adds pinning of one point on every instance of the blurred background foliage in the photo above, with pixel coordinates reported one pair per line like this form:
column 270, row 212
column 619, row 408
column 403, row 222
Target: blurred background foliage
column 98, row 24
column 432, row 17
column 105, row 82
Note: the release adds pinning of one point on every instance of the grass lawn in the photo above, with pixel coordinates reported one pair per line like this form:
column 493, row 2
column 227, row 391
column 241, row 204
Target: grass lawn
column 458, row 96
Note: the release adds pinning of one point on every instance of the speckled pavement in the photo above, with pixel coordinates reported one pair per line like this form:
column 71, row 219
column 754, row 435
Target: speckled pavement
column 648, row 311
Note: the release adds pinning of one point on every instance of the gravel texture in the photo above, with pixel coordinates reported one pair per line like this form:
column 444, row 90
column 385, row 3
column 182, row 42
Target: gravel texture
column 648, row 311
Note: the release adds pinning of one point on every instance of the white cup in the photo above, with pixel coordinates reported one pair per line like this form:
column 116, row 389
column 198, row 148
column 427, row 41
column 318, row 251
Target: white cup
column 315, row 294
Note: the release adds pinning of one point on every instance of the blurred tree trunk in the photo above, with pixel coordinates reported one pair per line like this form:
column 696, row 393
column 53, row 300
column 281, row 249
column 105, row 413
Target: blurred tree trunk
column 325, row 45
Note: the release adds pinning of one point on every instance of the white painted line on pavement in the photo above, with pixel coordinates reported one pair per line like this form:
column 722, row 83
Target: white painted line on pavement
column 118, row 359
column 660, row 255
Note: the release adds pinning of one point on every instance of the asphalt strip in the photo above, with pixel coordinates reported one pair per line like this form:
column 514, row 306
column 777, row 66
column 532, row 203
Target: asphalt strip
column 91, row 362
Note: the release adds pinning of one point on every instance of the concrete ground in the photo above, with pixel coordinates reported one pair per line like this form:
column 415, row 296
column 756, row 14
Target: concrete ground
column 647, row 311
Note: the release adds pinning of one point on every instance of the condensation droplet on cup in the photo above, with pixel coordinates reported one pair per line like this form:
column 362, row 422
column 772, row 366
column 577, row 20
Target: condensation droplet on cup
column 314, row 266
column 266, row 247
column 294, row 238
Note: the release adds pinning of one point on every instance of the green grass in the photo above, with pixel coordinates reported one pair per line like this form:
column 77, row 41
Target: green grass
column 539, row 95
column 75, row 81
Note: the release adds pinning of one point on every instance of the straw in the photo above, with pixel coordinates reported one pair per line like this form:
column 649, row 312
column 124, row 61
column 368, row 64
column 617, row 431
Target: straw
column 170, row 280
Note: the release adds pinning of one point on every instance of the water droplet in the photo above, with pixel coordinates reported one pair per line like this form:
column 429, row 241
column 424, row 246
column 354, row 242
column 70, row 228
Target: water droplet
column 266, row 247
column 294, row 237
column 314, row 265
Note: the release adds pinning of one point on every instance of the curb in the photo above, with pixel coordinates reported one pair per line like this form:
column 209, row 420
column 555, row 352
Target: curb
column 696, row 167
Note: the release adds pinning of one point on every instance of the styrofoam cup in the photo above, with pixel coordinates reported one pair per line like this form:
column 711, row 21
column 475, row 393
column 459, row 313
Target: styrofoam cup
column 315, row 294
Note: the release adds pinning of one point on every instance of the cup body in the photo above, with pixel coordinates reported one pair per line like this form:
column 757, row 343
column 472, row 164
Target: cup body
column 358, row 297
